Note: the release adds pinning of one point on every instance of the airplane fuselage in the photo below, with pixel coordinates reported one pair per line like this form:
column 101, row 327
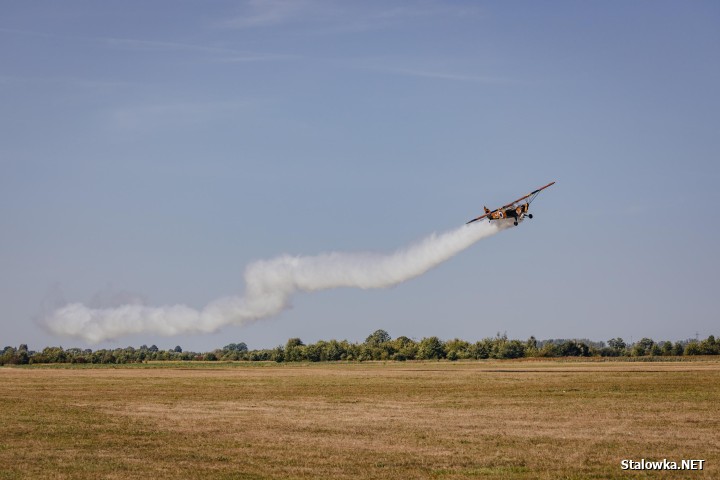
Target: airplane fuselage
column 516, row 212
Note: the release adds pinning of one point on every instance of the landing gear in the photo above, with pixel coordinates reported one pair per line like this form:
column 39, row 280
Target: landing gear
column 524, row 215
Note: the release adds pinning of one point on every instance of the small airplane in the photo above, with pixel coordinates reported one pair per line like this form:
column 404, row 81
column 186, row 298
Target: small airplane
column 516, row 210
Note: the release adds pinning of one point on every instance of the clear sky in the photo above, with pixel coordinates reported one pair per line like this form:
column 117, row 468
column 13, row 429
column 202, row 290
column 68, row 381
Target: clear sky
column 153, row 149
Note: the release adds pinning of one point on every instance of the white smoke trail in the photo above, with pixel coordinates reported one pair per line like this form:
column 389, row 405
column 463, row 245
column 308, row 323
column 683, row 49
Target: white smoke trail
column 270, row 285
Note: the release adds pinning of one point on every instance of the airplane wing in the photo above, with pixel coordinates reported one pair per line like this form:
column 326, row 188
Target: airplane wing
column 530, row 195
column 478, row 218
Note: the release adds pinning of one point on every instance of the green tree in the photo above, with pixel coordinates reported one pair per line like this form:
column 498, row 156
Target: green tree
column 456, row 349
column 531, row 347
column 294, row 342
column 55, row 355
column 404, row 348
column 573, row 349
column 638, row 350
column 236, row 347
column 511, row 349
column 11, row 356
column 279, row 354
column 333, row 351
column 644, row 346
column 107, row 357
column 377, row 338
column 431, row 348
column 548, row 350
column 693, row 348
column 481, row 349
column 709, row 346
column 294, row 350
column 313, row 352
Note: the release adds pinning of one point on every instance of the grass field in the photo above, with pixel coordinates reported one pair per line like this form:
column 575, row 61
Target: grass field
column 502, row 419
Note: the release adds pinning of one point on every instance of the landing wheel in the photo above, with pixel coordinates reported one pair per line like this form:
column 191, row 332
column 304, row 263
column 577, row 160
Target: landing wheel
column 515, row 223
column 529, row 215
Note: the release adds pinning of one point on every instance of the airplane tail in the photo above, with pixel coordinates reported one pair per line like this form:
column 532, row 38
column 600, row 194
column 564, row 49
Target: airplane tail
column 487, row 210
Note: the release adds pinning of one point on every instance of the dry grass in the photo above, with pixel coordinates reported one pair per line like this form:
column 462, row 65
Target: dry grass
column 441, row 420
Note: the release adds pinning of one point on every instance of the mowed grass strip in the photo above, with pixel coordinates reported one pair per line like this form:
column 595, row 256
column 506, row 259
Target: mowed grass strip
column 417, row 420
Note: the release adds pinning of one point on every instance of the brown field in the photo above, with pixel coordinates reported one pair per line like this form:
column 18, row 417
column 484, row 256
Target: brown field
column 500, row 419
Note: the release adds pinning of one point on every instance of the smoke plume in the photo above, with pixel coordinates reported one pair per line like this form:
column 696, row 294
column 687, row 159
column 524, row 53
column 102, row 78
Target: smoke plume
column 270, row 285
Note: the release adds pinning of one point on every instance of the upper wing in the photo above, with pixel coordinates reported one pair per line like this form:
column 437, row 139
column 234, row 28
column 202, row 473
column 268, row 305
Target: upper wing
column 532, row 194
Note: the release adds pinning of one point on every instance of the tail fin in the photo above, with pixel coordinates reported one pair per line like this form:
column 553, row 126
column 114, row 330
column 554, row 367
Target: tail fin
column 487, row 210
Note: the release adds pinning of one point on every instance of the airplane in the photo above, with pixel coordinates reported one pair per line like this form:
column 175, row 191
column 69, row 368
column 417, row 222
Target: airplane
column 516, row 210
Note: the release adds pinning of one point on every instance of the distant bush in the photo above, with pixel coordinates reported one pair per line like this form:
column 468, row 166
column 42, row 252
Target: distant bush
column 377, row 346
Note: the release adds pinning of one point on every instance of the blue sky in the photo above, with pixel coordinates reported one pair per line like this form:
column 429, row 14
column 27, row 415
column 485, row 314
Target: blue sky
column 153, row 149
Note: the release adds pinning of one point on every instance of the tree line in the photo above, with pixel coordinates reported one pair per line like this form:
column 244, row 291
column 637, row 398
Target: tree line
column 377, row 346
